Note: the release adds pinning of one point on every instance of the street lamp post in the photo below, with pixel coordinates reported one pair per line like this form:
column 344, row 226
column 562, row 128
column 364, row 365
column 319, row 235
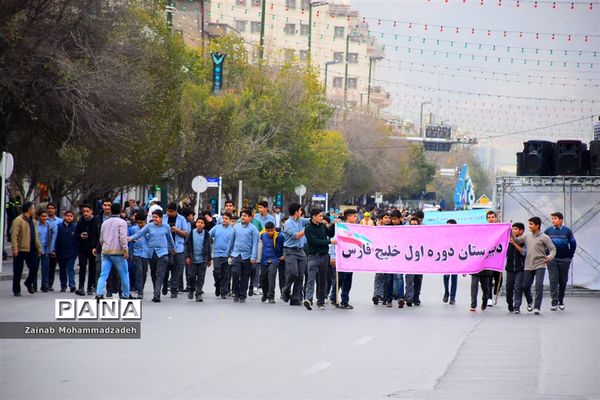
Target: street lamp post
column 261, row 48
column 371, row 59
column 346, row 70
column 311, row 5
column 327, row 64
column 421, row 131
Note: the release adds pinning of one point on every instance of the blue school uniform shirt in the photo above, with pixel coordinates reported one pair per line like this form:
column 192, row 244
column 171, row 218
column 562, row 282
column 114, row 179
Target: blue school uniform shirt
column 158, row 238
column 221, row 237
column 244, row 242
column 180, row 223
column 139, row 247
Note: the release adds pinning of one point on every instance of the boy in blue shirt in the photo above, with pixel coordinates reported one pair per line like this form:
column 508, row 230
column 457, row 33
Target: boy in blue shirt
column 243, row 249
column 221, row 234
column 45, row 232
column 66, row 247
column 270, row 251
column 197, row 257
column 139, row 253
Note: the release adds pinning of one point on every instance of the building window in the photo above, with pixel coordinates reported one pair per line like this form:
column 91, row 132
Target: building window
column 304, row 29
column 352, row 58
column 289, row 54
column 303, row 55
column 338, row 32
column 305, row 4
column 352, row 83
column 240, row 26
column 338, row 82
column 338, row 57
column 290, row 3
column 256, row 3
column 255, row 27
column 290, row 29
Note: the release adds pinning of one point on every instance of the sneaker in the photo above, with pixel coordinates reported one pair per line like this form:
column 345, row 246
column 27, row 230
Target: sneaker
column 250, row 292
column 263, row 299
column 517, row 312
column 224, row 296
column 217, row 292
column 511, row 308
column 561, row 306
column 536, row 311
column 80, row 292
column 109, row 295
column 271, row 301
column 401, row 303
column 199, row 299
column 445, row 299
column 389, row 305
column 553, row 308
column 45, row 289
column 236, row 299
column 483, row 306
column 90, row 292
column 285, row 296
column 295, row 303
column 452, row 302
column 490, row 303
column 530, row 307
column 346, row 306
column 156, row 299
column 51, row 289
column 62, row 290
column 173, row 295
column 472, row 309
column 321, row 306
column 307, row 304
column 190, row 294
column 375, row 300
column 258, row 292
column 409, row 303
column 165, row 290
column 417, row 303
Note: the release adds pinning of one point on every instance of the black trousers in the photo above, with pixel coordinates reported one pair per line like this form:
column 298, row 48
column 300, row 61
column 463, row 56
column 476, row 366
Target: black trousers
column 30, row 258
column 514, row 285
column 494, row 283
column 87, row 262
column 240, row 272
column 52, row 270
column 476, row 280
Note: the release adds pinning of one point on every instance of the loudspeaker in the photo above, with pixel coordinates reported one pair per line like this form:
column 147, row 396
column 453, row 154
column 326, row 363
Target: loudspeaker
column 520, row 164
column 595, row 158
column 570, row 158
column 538, row 158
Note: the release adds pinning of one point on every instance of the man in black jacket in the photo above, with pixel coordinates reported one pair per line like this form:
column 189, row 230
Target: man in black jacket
column 198, row 256
column 515, row 259
column 87, row 235
column 318, row 238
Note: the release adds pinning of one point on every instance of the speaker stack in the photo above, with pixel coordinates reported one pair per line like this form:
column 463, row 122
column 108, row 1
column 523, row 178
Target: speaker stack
column 563, row 158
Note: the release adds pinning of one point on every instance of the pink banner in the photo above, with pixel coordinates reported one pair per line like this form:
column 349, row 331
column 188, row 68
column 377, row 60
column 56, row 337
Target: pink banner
column 421, row 249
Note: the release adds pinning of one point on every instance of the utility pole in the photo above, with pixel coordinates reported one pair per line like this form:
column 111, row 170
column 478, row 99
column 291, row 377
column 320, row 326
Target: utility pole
column 202, row 12
column 311, row 5
column 170, row 10
column 346, row 69
column 261, row 49
column 327, row 64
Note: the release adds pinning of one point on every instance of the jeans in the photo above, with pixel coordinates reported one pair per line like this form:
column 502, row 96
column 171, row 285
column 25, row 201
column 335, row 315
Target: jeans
column 528, row 278
column 140, row 268
column 379, row 285
column 295, row 264
column 452, row 281
column 398, row 286
column 24, row 257
column 197, row 273
column 514, row 287
column 45, row 266
column 484, row 281
column 240, row 272
column 87, row 259
column 413, row 287
column 158, row 270
column 119, row 262
column 558, row 272
column 175, row 266
column 268, row 277
column 112, row 284
column 318, row 266
column 221, row 274
column 66, row 266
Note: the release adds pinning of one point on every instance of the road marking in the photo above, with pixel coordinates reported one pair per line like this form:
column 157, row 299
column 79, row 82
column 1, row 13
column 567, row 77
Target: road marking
column 315, row 369
column 363, row 340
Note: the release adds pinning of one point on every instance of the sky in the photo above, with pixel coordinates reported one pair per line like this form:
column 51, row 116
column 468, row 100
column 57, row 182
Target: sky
column 503, row 88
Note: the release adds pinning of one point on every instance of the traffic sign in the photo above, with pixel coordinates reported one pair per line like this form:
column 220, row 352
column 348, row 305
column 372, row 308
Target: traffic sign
column 199, row 184
column 300, row 190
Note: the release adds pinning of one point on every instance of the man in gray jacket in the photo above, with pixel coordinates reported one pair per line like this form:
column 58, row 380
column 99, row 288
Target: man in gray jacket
column 540, row 250
column 113, row 239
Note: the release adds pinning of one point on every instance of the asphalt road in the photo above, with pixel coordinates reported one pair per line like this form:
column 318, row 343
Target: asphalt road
column 221, row 350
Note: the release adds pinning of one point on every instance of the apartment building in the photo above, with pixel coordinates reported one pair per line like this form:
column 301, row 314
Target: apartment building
column 335, row 26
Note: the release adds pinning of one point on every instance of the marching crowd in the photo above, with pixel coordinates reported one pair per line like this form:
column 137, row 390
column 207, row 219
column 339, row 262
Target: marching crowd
column 255, row 254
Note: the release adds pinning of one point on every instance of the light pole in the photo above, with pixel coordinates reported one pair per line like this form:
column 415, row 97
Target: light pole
column 371, row 59
column 346, row 70
column 170, row 10
column 311, row 5
column 327, row 64
column 261, row 49
column 421, row 131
